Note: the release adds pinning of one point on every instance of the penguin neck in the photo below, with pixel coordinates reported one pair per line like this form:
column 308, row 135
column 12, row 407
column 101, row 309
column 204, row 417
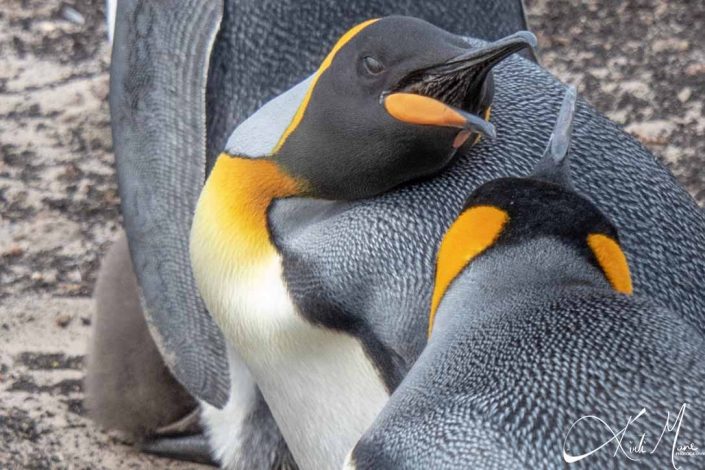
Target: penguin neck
column 538, row 265
column 505, row 276
column 232, row 210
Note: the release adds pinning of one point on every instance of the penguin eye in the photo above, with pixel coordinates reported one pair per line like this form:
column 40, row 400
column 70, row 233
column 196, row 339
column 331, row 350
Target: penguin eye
column 372, row 65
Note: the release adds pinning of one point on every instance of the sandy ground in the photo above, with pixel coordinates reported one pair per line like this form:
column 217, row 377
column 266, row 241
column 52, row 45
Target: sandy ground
column 642, row 62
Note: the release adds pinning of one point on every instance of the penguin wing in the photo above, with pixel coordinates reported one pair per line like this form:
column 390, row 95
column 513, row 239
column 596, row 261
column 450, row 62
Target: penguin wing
column 157, row 102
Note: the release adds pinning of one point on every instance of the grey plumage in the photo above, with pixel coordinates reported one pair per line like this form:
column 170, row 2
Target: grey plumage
column 128, row 386
column 158, row 140
column 157, row 117
column 382, row 288
column 511, row 365
column 158, row 127
column 265, row 446
column 535, row 359
column 388, row 244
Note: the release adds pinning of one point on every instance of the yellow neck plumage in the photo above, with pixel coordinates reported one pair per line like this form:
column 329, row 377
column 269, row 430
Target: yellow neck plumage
column 474, row 231
column 232, row 211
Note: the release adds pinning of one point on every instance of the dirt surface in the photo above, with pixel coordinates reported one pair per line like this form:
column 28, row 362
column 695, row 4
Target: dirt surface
column 642, row 62
column 42, row 419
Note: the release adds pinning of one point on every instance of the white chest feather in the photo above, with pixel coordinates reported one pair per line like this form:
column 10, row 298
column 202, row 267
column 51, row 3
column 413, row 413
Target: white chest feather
column 320, row 385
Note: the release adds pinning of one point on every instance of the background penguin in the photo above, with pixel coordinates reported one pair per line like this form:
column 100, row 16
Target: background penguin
column 532, row 327
column 128, row 386
column 405, row 109
column 495, row 22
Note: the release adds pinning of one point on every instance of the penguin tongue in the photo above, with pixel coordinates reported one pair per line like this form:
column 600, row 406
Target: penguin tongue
column 461, row 138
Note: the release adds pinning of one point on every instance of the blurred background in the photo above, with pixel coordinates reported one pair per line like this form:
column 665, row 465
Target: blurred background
column 640, row 62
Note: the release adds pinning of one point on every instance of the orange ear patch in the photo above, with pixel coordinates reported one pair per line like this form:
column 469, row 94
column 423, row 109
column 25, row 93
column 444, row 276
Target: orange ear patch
column 473, row 232
column 612, row 260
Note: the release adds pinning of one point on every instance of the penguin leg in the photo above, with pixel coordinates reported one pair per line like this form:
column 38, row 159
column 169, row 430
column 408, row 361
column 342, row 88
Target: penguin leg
column 128, row 386
column 181, row 440
column 241, row 436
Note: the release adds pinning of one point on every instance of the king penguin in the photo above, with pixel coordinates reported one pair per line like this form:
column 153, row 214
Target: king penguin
column 132, row 391
column 377, row 113
column 365, row 266
column 539, row 354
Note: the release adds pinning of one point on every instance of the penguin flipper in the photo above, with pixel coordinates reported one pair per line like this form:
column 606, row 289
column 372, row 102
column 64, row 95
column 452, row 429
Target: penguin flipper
column 157, row 102
column 128, row 386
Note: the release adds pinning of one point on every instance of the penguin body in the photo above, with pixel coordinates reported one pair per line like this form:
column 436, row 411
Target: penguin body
column 239, row 270
column 385, row 248
column 538, row 354
column 128, row 385
column 502, row 382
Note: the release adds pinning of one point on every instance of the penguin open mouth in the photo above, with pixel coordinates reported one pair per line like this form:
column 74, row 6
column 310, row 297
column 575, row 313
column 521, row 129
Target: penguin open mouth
column 464, row 83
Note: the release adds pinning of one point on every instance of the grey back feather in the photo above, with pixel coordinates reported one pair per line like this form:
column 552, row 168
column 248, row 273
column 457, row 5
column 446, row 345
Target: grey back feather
column 371, row 266
column 528, row 340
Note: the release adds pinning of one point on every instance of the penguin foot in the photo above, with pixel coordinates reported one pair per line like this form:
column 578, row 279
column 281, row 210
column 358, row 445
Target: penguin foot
column 189, row 424
column 194, row 448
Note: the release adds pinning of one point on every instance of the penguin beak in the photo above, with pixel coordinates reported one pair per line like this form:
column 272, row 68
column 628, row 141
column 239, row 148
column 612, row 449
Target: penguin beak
column 483, row 58
column 422, row 110
column 460, row 85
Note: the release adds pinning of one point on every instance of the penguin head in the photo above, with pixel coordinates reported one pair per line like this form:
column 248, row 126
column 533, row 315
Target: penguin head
column 545, row 204
column 391, row 102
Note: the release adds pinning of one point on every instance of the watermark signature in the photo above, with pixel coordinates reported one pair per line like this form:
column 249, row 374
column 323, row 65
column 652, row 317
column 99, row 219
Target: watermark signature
column 633, row 449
